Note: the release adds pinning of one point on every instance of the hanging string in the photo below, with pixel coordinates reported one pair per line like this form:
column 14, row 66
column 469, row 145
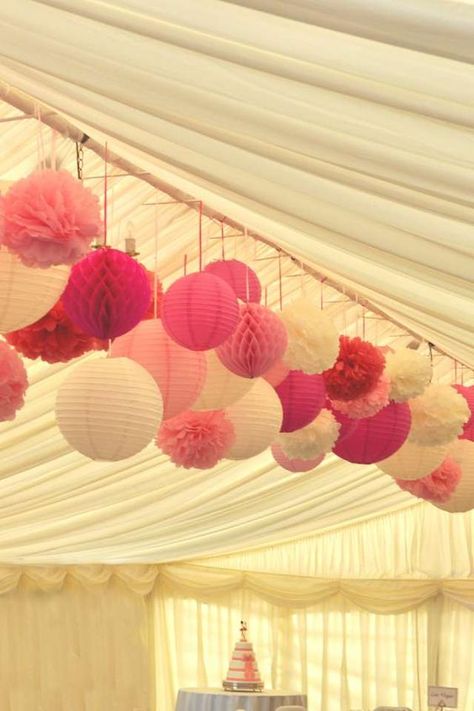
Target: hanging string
column 455, row 371
column 247, row 274
column 266, row 296
column 280, row 281
column 185, row 264
column 363, row 323
column 106, row 159
column 222, row 239
column 302, row 280
column 53, row 148
column 40, row 140
column 155, row 269
column 200, row 236
column 321, row 292
column 430, row 350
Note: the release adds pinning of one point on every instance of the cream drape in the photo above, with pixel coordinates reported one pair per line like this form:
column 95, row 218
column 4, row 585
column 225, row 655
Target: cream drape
column 350, row 147
column 81, row 648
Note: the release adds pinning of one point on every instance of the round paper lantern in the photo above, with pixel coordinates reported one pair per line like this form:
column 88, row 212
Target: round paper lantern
column 368, row 404
column 412, row 462
column 356, row 371
column 313, row 342
column 221, row 387
column 180, row 374
column 276, row 374
column 462, row 499
column 27, row 294
column 108, row 293
column 377, row 437
column 200, row 311
column 438, row 486
column 50, row 218
column 13, row 382
column 196, row 439
column 302, row 397
column 109, row 409
column 257, row 418
column 468, row 395
column 54, row 338
column 409, row 373
column 239, row 276
column 257, row 343
column 313, row 440
column 438, row 416
column 294, row 465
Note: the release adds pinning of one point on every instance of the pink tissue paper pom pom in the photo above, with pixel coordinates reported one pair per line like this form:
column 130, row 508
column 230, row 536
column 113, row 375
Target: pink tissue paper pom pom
column 196, row 439
column 13, row 382
column 50, row 218
column 368, row 404
column 437, row 486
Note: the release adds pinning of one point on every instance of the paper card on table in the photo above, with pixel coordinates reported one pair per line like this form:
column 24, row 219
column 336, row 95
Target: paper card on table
column 443, row 697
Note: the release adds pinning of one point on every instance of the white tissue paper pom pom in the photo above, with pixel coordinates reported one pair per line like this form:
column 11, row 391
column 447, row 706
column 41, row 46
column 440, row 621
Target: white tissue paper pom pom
column 317, row 438
column 409, row 373
column 313, row 342
column 437, row 416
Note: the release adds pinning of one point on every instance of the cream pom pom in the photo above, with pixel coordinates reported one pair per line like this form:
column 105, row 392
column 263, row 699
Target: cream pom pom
column 409, row 373
column 313, row 342
column 437, row 416
column 317, row 438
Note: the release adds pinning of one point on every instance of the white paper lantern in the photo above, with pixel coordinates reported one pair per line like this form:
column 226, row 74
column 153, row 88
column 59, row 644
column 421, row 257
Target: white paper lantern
column 462, row 450
column 109, row 409
column 412, row 462
column 257, row 419
column 221, row 387
column 27, row 294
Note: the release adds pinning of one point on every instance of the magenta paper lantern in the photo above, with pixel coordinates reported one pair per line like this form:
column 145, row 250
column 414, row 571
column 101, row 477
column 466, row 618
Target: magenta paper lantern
column 200, row 311
column 258, row 342
column 302, row 397
column 108, row 293
column 178, row 372
column 468, row 395
column 294, row 465
column 375, row 438
column 239, row 276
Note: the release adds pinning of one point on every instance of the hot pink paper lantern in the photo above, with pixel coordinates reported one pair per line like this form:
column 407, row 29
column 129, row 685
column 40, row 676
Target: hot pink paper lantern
column 258, row 342
column 375, row 438
column 239, row 276
column 294, row 465
column 302, row 397
column 108, row 293
column 178, row 372
column 200, row 311
column 468, row 395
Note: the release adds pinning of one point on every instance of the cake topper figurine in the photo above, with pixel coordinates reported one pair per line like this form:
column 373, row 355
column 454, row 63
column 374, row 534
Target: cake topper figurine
column 243, row 630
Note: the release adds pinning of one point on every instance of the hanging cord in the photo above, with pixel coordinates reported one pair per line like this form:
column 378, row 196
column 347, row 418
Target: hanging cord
column 155, row 268
column 106, row 160
column 280, row 286
column 200, row 236
column 222, row 239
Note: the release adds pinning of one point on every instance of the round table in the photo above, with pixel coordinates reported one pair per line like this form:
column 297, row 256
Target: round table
column 220, row 700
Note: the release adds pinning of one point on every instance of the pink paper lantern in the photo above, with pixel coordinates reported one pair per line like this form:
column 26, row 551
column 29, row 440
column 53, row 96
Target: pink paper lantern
column 108, row 293
column 258, row 342
column 178, row 372
column 375, row 438
column 294, row 465
column 302, row 397
column 276, row 374
column 200, row 311
column 239, row 276
column 468, row 395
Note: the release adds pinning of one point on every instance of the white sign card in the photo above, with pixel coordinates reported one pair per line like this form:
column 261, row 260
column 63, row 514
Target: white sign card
column 442, row 697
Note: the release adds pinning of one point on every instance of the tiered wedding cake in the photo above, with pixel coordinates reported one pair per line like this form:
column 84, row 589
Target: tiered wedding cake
column 243, row 674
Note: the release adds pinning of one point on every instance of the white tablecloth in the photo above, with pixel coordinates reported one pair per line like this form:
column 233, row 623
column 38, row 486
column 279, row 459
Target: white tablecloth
column 219, row 700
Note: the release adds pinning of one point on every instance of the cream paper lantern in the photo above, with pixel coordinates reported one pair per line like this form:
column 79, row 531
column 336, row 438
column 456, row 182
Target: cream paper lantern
column 462, row 450
column 221, row 387
column 257, row 419
column 412, row 462
column 26, row 293
column 109, row 409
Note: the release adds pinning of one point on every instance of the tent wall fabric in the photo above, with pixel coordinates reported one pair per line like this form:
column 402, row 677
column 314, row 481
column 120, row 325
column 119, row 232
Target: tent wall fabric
column 352, row 150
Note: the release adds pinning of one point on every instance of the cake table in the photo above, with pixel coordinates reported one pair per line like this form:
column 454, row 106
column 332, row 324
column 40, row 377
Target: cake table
column 219, row 700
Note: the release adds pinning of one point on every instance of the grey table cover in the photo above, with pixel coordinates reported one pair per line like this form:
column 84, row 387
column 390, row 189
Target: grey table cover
column 219, row 700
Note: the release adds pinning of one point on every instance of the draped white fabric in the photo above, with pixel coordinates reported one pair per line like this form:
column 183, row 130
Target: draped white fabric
column 344, row 137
